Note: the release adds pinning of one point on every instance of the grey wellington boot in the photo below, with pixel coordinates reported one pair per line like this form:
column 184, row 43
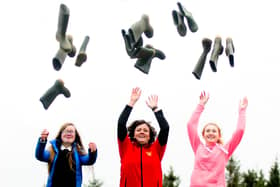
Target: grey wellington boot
column 145, row 57
column 190, row 20
column 59, row 59
column 63, row 18
column 178, row 20
column 73, row 51
column 82, row 56
column 230, row 50
column 141, row 26
column 53, row 92
column 216, row 52
column 198, row 69
column 131, row 50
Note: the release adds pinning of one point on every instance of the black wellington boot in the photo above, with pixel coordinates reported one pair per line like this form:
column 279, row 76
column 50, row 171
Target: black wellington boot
column 59, row 59
column 145, row 57
column 188, row 15
column 141, row 26
column 178, row 20
column 63, row 19
column 198, row 69
column 53, row 92
column 216, row 52
column 82, row 56
column 230, row 50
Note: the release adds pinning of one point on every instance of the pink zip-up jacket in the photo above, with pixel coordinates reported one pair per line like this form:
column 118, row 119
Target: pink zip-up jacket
column 210, row 161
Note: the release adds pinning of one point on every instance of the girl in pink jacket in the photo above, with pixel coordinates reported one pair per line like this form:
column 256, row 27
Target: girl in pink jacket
column 211, row 158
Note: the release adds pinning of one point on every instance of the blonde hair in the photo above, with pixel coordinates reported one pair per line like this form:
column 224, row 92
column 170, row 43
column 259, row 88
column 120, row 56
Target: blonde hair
column 220, row 141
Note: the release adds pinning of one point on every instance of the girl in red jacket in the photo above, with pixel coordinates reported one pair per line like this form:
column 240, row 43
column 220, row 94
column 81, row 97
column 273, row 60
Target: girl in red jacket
column 140, row 150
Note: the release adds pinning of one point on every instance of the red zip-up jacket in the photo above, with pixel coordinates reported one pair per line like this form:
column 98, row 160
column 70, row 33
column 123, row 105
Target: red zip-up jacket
column 141, row 164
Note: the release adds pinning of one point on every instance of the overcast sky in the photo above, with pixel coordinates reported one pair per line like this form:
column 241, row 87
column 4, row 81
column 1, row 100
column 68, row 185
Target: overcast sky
column 101, row 87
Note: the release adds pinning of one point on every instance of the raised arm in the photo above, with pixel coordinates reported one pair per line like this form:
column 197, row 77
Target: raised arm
column 152, row 103
column 122, row 131
column 241, row 122
column 91, row 157
column 40, row 152
column 193, row 122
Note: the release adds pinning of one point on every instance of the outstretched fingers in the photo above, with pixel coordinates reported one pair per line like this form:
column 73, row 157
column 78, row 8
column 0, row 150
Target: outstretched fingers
column 243, row 103
column 152, row 101
column 203, row 98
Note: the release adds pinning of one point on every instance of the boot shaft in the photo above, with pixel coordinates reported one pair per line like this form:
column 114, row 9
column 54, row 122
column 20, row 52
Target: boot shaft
column 141, row 26
column 178, row 20
column 73, row 50
column 63, row 18
column 59, row 59
column 188, row 15
column 198, row 69
column 82, row 56
column 216, row 52
column 230, row 50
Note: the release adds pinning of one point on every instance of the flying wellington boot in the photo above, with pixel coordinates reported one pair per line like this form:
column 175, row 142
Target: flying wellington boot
column 198, row 69
column 216, row 52
column 82, row 56
column 136, row 30
column 145, row 57
column 178, row 20
column 230, row 50
column 73, row 51
column 53, row 92
column 131, row 50
column 63, row 19
column 190, row 20
column 59, row 59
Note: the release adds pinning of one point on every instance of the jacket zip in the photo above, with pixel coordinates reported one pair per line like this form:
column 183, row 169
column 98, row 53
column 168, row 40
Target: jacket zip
column 141, row 166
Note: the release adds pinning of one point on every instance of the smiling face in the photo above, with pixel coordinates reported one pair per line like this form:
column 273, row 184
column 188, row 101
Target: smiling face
column 211, row 133
column 142, row 134
column 68, row 135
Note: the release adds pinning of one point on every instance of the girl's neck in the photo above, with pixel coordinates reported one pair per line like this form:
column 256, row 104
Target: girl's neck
column 66, row 145
column 211, row 144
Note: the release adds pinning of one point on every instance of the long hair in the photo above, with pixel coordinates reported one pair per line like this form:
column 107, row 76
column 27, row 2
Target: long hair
column 77, row 141
column 133, row 126
column 220, row 141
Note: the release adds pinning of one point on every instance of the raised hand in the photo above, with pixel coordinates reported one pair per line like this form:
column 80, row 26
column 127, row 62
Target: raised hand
column 44, row 135
column 243, row 103
column 203, row 98
column 92, row 146
column 135, row 95
column 152, row 102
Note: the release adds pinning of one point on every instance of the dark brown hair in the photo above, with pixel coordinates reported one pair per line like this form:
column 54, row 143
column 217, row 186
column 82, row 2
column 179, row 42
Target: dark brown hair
column 77, row 141
column 133, row 126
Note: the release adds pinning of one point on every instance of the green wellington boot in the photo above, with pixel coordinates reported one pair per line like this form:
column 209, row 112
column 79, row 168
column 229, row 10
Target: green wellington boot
column 216, row 52
column 82, row 56
column 198, row 69
column 188, row 15
column 53, row 92
column 73, row 51
column 230, row 50
column 131, row 50
column 178, row 20
column 59, row 59
column 143, row 25
column 63, row 19
column 145, row 57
